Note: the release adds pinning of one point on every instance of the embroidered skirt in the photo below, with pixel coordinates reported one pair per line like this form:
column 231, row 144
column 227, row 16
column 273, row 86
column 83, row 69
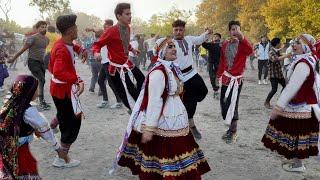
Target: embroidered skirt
column 173, row 158
column 27, row 164
column 292, row 138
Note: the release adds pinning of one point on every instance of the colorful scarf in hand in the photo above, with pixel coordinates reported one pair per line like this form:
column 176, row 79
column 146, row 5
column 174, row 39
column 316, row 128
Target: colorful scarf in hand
column 11, row 115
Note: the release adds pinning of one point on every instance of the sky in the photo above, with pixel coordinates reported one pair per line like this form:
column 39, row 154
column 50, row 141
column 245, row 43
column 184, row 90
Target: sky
column 26, row 15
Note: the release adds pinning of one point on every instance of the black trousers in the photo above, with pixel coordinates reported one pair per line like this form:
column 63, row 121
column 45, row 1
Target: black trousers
column 134, row 91
column 38, row 71
column 195, row 90
column 212, row 74
column 225, row 103
column 274, row 87
column 103, row 76
column 69, row 123
column 262, row 68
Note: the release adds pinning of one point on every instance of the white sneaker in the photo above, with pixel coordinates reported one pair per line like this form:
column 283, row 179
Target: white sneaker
column 289, row 167
column 62, row 164
column 259, row 82
column 116, row 106
column 103, row 104
column 265, row 81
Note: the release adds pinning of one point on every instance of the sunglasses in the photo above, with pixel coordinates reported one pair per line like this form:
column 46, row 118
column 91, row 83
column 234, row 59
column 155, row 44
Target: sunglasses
column 171, row 46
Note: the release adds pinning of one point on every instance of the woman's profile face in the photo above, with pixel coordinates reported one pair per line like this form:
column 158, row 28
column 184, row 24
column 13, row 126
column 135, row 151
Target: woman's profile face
column 171, row 52
column 297, row 47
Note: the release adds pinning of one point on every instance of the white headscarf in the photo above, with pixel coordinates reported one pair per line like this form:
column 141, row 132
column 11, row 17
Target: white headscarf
column 307, row 42
column 160, row 47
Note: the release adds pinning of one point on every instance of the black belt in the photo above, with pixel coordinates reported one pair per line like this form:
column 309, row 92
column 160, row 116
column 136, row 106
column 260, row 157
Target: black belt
column 187, row 69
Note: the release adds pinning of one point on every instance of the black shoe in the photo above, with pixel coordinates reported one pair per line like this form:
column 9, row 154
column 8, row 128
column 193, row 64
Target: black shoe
column 226, row 135
column 196, row 133
column 231, row 138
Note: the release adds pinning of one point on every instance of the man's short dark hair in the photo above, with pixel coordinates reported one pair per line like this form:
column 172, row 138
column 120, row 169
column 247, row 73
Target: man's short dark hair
column 51, row 29
column 217, row 34
column 275, row 42
column 40, row 23
column 108, row 22
column 231, row 23
column 179, row 23
column 120, row 8
column 65, row 22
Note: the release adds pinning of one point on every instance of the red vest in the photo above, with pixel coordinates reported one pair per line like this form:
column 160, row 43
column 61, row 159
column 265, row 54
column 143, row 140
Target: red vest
column 306, row 93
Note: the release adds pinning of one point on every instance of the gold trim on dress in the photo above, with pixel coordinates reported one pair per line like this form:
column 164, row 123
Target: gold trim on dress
column 165, row 133
column 165, row 161
column 291, row 138
column 295, row 115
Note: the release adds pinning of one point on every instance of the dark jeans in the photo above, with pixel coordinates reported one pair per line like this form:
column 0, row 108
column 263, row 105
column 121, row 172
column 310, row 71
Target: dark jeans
column 213, row 78
column 274, row 87
column 103, row 76
column 195, row 90
column 46, row 60
column 143, row 59
column 134, row 91
column 225, row 103
column 38, row 71
column 95, row 69
column 69, row 124
column 262, row 68
column 135, row 60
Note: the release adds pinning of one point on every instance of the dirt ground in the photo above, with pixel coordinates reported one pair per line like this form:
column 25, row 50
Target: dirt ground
column 102, row 130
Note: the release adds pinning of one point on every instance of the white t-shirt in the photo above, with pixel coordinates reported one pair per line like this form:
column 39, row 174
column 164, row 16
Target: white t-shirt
column 104, row 55
column 151, row 43
column 134, row 45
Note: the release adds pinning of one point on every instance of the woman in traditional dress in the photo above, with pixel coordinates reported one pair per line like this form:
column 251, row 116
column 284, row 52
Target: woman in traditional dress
column 18, row 122
column 161, row 145
column 293, row 128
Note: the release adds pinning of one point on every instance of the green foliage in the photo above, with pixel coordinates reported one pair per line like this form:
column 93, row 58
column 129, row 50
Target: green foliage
column 162, row 23
column 12, row 26
column 51, row 7
column 216, row 14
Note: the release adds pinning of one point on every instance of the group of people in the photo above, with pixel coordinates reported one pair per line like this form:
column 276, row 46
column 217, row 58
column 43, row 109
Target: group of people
column 160, row 138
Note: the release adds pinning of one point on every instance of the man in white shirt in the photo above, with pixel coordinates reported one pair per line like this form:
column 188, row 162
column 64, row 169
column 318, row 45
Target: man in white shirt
column 151, row 43
column 263, row 57
column 194, row 86
column 135, row 45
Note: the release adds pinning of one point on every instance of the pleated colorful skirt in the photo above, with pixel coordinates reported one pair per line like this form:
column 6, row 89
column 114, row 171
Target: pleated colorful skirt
column 292, row 138
column 174, row 158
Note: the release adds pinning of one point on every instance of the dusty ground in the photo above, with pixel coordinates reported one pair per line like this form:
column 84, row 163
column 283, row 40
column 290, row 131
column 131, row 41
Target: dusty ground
column 102, row 131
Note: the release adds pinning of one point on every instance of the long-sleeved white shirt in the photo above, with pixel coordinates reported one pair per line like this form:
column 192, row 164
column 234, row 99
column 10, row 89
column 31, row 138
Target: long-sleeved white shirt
column 39, row 123
column 184, row 52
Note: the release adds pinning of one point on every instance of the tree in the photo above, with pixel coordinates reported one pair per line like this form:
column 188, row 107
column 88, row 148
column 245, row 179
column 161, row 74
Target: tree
column 12, row 26
column 51, row 7
column 217, row 14
column 162, row 23
column 277, row 15
column 5, row 6
column 252, row 22
column 307, row 19
column 88, row 21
